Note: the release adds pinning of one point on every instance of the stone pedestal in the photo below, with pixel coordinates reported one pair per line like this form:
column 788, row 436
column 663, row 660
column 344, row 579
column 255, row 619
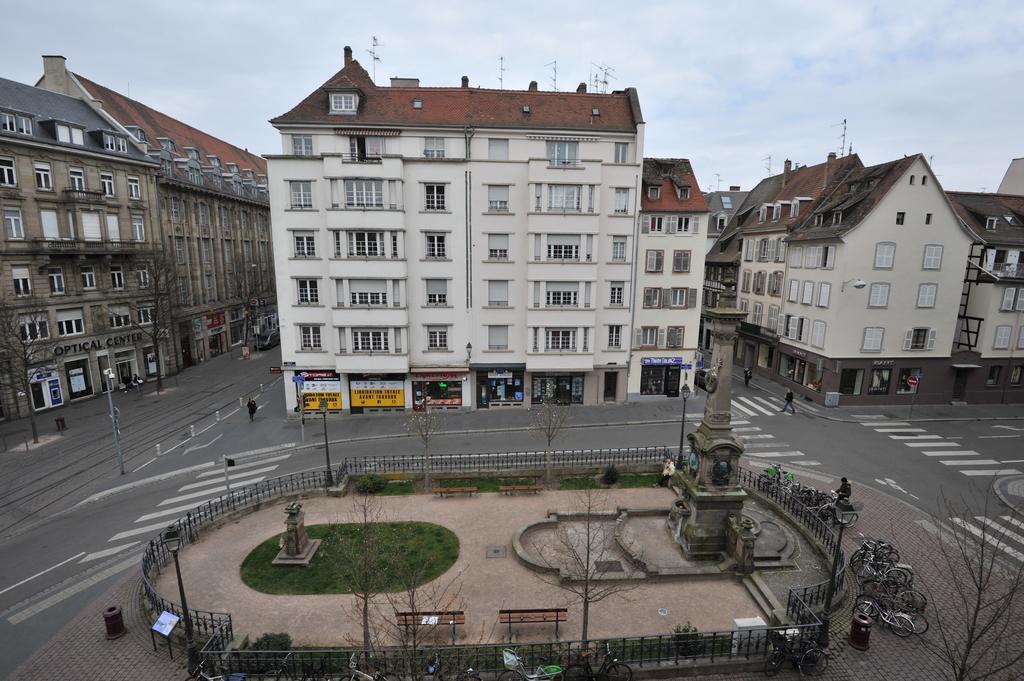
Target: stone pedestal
column 297, row 549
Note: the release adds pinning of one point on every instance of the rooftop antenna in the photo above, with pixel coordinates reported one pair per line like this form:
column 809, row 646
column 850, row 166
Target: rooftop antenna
column 768, row 166
column 373, row 56
column 931, row 159
column 501, row 73
column 718, row 181
column 554, row 74
column 601, row 78
column 842, row 137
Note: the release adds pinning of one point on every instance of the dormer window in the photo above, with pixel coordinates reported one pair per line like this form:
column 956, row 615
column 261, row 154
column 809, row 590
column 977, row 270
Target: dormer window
column 654, row 193
column 10, row 122
column 794, row 208
column 819, row 219
column 595, row 111
column 990, row 223
column 137, row 133
column 343, row 102
column 837, row 217
column 70, row 135
column 762, row 214
column 776, row 211
column 115, row 143
column 1011, row 219
column 417, row 103
column 683, row 193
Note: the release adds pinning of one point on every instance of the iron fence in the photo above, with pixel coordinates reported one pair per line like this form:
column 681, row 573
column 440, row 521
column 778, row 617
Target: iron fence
column 507, row 461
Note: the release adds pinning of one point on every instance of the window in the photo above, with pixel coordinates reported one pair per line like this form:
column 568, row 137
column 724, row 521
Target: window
column 794, row 290
column 433, row 147
column 1008, row 297
column 138, row 228
column 302, row 145
column 994, row 374
column 926, row 294
column 680, row 261
column 796, row 256
column 368, row 292
column 1002, row 337
column 614, row 337
column 436, row 246
column 497, row 338
column 559, row 339
column 116, row 277
column 142, row 277
column 34, row 328
column 305, row 245
column 564, row 197
column 927, row 218
column 363, row 244
column 437, row 292
column 562, row 294
column 175, row 206
column 850, row 381
column 134, row 189
column 434, row 196
column 654, row 224
column 563, row 153
column 652, row 297
column 818, row 334
column 119, row 316
column 145, row 315
column 56, row 277
column 824, row 293
column 679, row 298
column 654, row 261
column 497, row 246
column 879, row 295
column 773, row 318
column 7, row 175
column 106, row 184
column 900, row 217
column 364, row 193
column 497, row 198
column 872, row 341
column 919, row 339
column 619, row 248
column 369, row 340
column 179, row 250
column 615, row 296
column 1015, row 374
column 44, row 177
column 497, row 293
column 648, row 336
column 878, row 381
column 437, row 337
column 622, row 152
column 66, row 133
column 184, row 297
column 309, row 337
column 990, row 223
column 204, row 250
column 563, row 247
column 309, row 291
column 885, row 255
column 654, row 193
column 807, row 295
column 343, row 102
column 497, row 149
column 301, row 194
column 70, row 322
column 22, row 281
column 621, row 200
column 15, row 123
column 932, row 257
column 88, row 277
column 674, row 337
column 76, row 178
column 13, row 224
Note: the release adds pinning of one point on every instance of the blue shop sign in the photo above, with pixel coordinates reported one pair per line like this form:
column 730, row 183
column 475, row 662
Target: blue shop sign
column 661, row 361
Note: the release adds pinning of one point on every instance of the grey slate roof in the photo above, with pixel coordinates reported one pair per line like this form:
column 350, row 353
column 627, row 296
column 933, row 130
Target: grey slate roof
column 975, row 208
column 43, row 106
column 714, row 200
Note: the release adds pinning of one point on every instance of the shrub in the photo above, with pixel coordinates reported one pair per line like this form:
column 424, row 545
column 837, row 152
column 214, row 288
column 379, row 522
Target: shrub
column 280, row 641
column 371, row 483
column 689, row 643
column 610, row 475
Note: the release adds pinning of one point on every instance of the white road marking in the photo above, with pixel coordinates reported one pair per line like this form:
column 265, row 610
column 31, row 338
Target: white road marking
column 810, row 463
column 774, row 455
column 1008, row 427
column 148, row 529
column 764, row 436
column 144, row 465
column 145, row 481
column 1003, row 532
column 751, row 429
column 899, row 430
column 220, row 480
column 988, row 537
column 1014, row 461
column 952, row 452
column 915, row 437
column 971, row 462
column 241, row 466
column 1001, row 471
column 762, row 445
column 176, row 511
column 736, row 423
column 869, row 416
column 196, row 448
column 754, row 405
column 995, row 437
column 108, row 552
column 932, row 444
column 746, row 412
column 1013, row 521
column 886, row 424
column 203, row 492
column 70, row 591
column 43, row 572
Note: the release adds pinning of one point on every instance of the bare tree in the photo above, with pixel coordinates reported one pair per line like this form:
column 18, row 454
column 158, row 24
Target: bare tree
column 578, row 554
column 155, row 316
column 25, row 344
column 548, row 421
column 251, row 284
column 425, row 425
column 978, row 633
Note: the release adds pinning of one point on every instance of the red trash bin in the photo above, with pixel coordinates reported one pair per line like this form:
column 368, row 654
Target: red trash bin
column 114, row 621
column 860, row 631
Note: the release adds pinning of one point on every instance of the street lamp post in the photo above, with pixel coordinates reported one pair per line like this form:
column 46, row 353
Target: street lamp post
column 114, row 413
column 684, row 392
column 329, row 477
column 172, row 541
column 826, row 615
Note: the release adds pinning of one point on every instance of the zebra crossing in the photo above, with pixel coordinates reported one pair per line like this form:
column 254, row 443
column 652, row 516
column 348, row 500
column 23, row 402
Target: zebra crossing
column 947, row 452
column 209, row 485
column 1004, row 533
column 760, row 445
column 744, row 407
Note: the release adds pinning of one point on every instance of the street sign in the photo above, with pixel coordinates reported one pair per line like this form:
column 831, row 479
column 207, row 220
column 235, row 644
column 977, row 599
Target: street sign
column 687, row 365
column 298, row 379
column 254, row 301
column 275, row 370
column 912, row 381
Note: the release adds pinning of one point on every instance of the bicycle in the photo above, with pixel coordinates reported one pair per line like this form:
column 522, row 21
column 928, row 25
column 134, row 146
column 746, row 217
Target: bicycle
column 828, row 511
column 611, row 669
column 811, row 661
column 899, row 623
column 356, row 675
column 515, row 670
column 434, row 672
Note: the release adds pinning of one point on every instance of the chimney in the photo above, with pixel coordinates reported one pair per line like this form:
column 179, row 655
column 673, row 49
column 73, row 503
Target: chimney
column 465, row 81
column 787, row 168
column 830, row 163
column 734, row 187
column 55, row 74
column 582, row 87
column 348, row 55
column 533, row 86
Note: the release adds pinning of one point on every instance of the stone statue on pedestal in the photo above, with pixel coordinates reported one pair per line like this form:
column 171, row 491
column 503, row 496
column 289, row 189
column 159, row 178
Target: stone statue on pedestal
column 296, row 549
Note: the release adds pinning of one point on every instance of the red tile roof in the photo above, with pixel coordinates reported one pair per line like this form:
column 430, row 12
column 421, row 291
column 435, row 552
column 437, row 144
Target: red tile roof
column 670, row 173
column 156, row 124
column 460, row 106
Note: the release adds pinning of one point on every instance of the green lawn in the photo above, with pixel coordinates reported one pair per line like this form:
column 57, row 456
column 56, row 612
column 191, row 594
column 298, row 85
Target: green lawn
column 582, row 482
column 638, row 479
column 423, row 550
column 485, row 484
column 397, row 487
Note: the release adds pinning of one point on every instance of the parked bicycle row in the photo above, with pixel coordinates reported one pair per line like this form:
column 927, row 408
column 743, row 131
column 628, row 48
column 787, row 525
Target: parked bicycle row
column 887, row 592
column 832, row 506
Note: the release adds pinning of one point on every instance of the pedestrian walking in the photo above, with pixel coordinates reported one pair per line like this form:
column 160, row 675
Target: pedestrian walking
column 789, row 402
column 138, row 383
column 252, row 408
column 747, row 374
column 667, row 471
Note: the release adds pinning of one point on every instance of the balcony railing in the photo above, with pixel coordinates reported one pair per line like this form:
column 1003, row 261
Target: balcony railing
column 360, row 158
column 75, row 245
column 1009, row 270
column 83, row 196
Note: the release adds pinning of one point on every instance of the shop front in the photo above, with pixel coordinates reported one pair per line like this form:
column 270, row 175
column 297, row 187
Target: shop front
column 77, row 375
column 236, row 325
column 438, row 388
column 661, row 375
column 797, row 366
column 376, row 392
column 319, row 389
column 46, row 389
column 561, row 388
column 216, row 331
column 500, row 385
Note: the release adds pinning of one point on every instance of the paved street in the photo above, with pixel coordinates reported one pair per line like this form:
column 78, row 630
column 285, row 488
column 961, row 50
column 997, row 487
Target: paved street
column 72, row 524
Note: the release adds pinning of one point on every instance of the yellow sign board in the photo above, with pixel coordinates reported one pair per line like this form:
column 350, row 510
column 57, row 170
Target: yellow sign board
column 377, row 393
column 311, row 400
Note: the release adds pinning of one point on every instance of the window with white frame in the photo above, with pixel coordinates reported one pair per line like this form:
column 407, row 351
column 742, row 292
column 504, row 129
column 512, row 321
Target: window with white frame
column 615, row 295
column 179, row 250
column 88, row 277
column 654, row 261
column 878, row 295
column 44, row 176
column 807, row 295
column 433, row 147
column 343, row 103
column 647, row 336
column 369, row 340
column 305, row 244
column 926, row 294
column 208, row 287
column 773, row 317
column 301, row 192
column 618, row 249
column 138, row 228
column 433, row 197
column 824, row 293
column 134, row 189
column 302, row 145
column 497, row 246
column 120, row 316
column 145, row 314
column 827, row 257
column 437, row 338
column 614, row 337
column 437, row 292
column 932, row 257
column 107, row 184
column 563, row 153
column 70, row 322
column 818, row 334
column 885, row 255
column 621, row 203
column 22, row 281
column 497, row 293
column 654, row 193
column 497, row 198
column 205, row 252
column 680, row 298
column 559, row 339
column 562, row 294
column 362, row 244
column 309, row 337
column 364, row 193
column 622, row 152
column 1002, row 337
column 116, row 277
column 12, row 122
column 497, row 338
column 564, row 197
column 367, row 292
column 142, row 277
column 1009, row 295
column 990, row 222
column 34, row 327
column 794, row 290
column 680, row 261
column 436, row 245
column 872, row 340
column 756, row 314
column 309, row 291
column 76, row 179
column 497, row 149
column 13, row 224
column 56, row 277
column 796, row 256
column 8, row 177
column 563, row 247
column 652, row 296
column 919, row 339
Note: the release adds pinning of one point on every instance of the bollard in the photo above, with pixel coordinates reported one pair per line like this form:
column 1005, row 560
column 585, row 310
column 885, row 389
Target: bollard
column 158, row 449
column 241, row 401
column 114, row 621
column 191, row 431
column 218, row 415
column 860, row 631
column 261, row 387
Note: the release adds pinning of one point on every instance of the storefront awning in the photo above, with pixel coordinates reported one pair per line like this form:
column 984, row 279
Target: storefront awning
column 440, row 374
column 966, row 366
column 499, row 365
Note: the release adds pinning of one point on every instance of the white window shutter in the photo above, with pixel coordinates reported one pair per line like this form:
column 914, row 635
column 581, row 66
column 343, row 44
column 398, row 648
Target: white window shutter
column 645, row 225
column 673, row 224
column 780, row 325
column 694, row 227
column 691, row 298
column 666, row 297
column 638, row 337
column 661, row 338
column 908, row 339
column 1008, row 294
column 931, row 339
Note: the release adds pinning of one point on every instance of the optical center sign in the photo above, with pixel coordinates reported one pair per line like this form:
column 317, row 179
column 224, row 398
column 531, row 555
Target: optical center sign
column 377, row 393
column 320, row 385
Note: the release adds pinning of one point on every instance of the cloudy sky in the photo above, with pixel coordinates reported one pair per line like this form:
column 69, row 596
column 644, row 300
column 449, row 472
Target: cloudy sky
column 726, row 84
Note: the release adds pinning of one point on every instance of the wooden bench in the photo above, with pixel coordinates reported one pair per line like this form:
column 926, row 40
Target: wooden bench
column 447, row 491
column 515, row 489
column 532, row 616
column 432, row 618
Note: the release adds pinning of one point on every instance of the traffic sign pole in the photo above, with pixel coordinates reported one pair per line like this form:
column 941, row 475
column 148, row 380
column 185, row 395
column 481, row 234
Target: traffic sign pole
column 913, row 382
